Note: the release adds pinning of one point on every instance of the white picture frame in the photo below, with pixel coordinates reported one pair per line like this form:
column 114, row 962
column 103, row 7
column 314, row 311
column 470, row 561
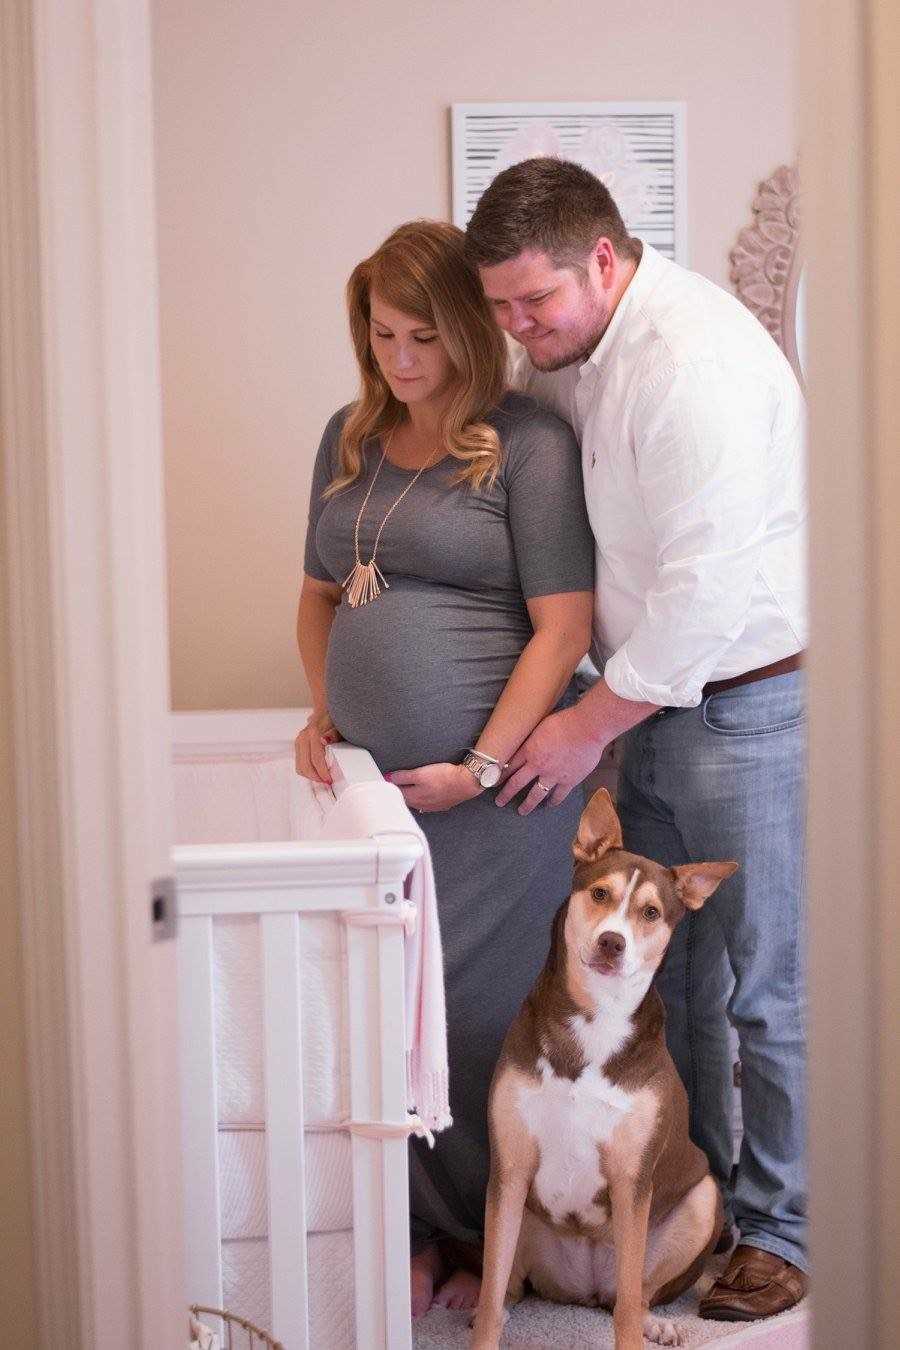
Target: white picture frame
column 637, row 148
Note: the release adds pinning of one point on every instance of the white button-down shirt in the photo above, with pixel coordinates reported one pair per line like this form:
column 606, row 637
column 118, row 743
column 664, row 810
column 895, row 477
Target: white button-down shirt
column 691, row 424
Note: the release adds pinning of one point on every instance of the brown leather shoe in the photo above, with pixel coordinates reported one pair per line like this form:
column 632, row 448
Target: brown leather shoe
column 755, row 1284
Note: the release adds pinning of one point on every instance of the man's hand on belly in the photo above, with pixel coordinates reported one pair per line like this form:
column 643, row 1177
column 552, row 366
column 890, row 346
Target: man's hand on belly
column 435, row 787
column 560, row 753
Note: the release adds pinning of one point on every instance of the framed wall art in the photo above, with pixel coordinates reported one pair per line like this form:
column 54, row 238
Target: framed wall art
column 636, row 149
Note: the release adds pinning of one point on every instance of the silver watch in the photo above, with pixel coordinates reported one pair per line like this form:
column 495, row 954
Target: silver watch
column 484, row 768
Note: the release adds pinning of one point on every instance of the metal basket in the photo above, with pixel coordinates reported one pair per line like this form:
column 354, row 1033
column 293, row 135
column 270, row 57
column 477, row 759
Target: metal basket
column 238, row 1332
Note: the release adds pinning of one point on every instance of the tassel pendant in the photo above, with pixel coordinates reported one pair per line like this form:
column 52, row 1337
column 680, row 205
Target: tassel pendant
column 365, row 580
column 362, row 583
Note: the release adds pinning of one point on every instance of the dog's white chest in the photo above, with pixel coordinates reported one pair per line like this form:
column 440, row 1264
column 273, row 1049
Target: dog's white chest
column 569, row 1122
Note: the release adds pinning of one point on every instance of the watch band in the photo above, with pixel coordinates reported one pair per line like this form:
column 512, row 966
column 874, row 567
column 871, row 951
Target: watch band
column 488, row 759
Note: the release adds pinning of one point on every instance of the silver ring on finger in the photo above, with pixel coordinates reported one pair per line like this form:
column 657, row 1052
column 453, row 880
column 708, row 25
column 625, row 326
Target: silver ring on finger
column 542, row 786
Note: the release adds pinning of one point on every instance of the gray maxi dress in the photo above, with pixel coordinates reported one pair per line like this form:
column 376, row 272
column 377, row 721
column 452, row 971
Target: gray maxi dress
column 413, row 677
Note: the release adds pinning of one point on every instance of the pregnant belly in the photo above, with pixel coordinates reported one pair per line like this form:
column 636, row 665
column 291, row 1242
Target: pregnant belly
column 414, row 675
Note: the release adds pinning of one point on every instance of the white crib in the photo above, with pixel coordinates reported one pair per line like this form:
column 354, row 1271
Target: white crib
column 283, row 1077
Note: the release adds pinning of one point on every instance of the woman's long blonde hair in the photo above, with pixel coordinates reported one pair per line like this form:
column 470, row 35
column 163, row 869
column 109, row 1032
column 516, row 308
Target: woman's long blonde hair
column 421, row 270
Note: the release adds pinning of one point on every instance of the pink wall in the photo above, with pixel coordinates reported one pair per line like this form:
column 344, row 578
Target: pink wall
column 290, row 139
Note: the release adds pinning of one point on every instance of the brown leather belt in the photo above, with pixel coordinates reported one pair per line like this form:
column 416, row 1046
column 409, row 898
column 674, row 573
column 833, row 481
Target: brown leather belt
column 782, row 667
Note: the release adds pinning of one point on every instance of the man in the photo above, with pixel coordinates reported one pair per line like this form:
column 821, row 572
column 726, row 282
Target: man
column 691, row 426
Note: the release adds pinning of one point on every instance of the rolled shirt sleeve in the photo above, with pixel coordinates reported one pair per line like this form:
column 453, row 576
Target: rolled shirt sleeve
column 701, row 432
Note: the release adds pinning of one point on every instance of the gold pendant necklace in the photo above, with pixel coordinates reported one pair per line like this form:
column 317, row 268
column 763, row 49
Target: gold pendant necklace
column 362, row 581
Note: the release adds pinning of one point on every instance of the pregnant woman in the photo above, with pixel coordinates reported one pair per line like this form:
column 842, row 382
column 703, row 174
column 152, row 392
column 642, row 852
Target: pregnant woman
column 446, row 602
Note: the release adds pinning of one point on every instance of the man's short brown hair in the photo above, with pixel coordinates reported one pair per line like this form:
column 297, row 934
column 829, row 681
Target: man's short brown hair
column 545, row 205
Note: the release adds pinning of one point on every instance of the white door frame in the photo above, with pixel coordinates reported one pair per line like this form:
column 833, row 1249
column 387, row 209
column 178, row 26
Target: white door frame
column 849, row 54
column 82, row 447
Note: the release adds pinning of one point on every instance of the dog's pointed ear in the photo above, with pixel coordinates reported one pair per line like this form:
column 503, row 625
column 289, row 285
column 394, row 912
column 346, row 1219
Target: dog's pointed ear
column 695, row 882
column 598, row 830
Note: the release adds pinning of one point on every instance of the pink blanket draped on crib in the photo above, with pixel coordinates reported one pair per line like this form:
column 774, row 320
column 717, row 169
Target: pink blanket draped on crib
column 377, row 810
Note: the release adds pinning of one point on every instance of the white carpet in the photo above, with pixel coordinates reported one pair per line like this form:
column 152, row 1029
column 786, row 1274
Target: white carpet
column 537, row 1325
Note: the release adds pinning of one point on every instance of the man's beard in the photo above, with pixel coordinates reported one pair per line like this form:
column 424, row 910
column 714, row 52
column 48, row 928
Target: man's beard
column 581, row 350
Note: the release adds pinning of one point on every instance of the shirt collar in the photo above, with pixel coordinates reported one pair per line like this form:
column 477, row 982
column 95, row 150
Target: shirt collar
column 638, row 288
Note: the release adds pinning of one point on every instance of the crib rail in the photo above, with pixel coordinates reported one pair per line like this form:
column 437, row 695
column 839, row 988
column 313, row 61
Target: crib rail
column 280, row 883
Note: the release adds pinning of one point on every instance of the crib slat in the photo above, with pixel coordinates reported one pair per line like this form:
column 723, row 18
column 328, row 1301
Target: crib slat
column 200, row 1139
column 284, row 1128
column 394, row 1152
column 380, row 1166
column 365, row 1104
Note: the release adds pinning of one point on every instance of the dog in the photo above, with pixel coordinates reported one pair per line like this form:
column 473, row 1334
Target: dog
column 597, row 1195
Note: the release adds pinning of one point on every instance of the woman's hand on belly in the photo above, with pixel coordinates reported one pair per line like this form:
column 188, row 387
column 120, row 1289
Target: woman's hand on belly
column 435, row 787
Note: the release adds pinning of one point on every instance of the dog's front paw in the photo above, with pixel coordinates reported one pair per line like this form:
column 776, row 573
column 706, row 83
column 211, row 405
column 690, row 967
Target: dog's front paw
column 662, row 1331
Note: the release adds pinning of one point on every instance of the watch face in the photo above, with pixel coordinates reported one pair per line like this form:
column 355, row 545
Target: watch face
column 490, row 775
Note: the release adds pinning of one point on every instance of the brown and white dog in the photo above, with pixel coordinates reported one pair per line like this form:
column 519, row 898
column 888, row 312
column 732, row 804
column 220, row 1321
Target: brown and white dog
column 597, row 1195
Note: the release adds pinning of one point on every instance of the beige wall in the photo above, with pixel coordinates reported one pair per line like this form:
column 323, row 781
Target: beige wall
column 17, row 1304
column 290, row 139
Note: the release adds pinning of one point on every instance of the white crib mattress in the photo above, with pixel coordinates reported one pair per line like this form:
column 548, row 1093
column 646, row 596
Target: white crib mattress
column 246, row 1285
column 244, row 1187
column 239, row 1020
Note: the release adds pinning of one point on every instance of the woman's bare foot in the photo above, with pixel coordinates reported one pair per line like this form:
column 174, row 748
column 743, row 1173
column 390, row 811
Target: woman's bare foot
column 425, row 1270
column 461, row 1290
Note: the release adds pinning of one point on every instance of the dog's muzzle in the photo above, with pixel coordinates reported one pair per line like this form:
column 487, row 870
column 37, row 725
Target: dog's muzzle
column 608, row 952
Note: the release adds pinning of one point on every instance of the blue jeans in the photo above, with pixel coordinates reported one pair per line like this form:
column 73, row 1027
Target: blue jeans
column 726, row 781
